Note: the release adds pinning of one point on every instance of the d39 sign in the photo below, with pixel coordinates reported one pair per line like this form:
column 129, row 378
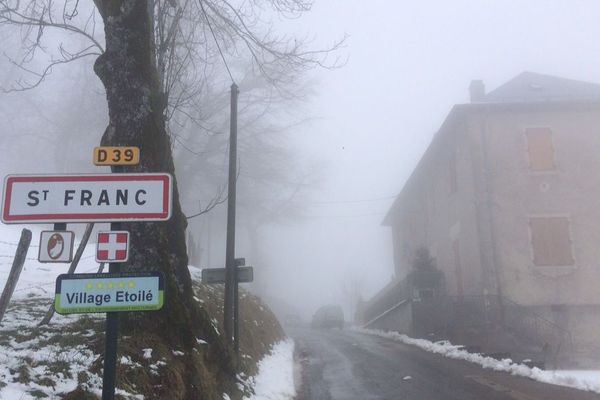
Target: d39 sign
column 111, row 155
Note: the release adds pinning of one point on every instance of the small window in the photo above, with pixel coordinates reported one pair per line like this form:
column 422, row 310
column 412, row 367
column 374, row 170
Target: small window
column 551, row 241
column 540, row 149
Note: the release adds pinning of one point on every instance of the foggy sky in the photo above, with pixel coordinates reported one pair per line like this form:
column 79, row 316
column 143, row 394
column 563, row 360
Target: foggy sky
column 409, row 62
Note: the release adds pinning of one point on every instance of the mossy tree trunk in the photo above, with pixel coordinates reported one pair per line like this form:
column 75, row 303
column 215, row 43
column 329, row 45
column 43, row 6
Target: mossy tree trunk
column 136, row 108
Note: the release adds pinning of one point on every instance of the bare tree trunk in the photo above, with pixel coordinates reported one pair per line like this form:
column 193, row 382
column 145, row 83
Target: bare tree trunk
column 135, row 103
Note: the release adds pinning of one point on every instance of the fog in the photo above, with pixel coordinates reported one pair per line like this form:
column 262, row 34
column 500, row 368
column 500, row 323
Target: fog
column 408, row 64
column 354, row 140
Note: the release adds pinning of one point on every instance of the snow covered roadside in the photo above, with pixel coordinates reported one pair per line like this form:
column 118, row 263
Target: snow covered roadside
column 574, row 379
column 48, row 361
column 37, row 280
column 275, row 378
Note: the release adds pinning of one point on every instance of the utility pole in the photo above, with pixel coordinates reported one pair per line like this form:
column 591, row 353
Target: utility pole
column 230, row 267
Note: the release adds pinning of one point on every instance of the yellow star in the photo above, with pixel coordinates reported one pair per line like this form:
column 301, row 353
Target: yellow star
column 89, row 285
column 111, row 285
column 121, row 285
column 100, row 285
column 131, row 284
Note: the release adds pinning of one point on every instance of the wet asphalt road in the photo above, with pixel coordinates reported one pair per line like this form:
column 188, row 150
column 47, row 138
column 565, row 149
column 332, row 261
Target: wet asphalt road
column 345, row 365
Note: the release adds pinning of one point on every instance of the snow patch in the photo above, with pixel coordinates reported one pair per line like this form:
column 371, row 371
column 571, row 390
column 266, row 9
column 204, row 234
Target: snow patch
column 582, row 380
column 275, row 378
column 147, row 353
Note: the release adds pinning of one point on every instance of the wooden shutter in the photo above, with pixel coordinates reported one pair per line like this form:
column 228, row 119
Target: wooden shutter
column 540, row 148
column 550, row 241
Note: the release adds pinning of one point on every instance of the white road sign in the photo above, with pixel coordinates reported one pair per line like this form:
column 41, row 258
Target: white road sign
column 56, row 247
column 84, row 198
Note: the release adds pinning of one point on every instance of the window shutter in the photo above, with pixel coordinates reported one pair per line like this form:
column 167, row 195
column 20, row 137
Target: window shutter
column 540, row 148
column 550, row 241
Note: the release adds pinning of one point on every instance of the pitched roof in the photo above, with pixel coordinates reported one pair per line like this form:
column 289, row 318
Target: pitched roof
column 533, row 87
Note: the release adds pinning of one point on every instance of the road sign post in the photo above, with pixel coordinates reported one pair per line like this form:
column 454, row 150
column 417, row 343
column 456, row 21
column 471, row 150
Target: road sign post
column 239, row 262
column 231, row 198
column 111, row 340
column 86, row 198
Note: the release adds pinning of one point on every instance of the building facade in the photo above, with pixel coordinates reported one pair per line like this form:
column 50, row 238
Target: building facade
column 507, row 201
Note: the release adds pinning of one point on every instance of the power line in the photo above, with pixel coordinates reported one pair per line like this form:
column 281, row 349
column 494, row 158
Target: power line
column 216, row 41
column 354, row 201
column 380, row 214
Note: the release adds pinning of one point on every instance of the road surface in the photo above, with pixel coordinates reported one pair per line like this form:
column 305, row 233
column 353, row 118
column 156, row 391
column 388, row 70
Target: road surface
column 346, row 365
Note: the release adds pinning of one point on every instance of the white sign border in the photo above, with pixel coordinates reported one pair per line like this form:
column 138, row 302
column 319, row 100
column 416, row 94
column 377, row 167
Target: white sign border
column 57, row 262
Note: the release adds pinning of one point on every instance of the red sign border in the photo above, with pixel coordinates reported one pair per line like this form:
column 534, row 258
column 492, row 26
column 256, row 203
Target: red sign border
column 164, row 215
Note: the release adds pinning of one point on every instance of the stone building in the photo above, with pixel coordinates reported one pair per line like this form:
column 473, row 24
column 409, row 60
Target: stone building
column 507, row 200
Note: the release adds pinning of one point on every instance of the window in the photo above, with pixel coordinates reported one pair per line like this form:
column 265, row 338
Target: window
column 551, row 241
column 540, row 149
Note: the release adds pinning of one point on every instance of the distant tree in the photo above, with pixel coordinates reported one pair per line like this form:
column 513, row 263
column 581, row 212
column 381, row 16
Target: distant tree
column 352, row 286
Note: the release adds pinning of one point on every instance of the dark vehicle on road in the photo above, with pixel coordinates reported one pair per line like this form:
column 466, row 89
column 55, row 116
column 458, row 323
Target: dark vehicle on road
column 330, row 316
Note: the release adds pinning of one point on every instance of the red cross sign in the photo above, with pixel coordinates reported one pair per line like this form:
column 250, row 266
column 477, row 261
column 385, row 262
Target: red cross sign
column 112, row 246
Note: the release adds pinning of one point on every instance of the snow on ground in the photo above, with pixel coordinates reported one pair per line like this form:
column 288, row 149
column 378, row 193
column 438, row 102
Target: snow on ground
column 275, row 378
column 44, row 361
column 36, row 280
column 48, row 361
column 583, row 380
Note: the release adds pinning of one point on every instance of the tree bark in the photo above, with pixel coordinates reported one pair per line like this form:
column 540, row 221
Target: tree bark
column 129, row 75
column 135, row 105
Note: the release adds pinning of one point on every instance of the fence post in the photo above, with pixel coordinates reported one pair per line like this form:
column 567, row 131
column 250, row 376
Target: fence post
column 72, row 267
column 15, row 271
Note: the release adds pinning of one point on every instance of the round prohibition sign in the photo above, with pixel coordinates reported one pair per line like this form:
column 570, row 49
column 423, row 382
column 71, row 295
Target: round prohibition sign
column 55, row 246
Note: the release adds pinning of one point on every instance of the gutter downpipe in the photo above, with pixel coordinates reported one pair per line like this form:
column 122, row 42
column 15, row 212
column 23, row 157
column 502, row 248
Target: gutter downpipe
column 489, row 203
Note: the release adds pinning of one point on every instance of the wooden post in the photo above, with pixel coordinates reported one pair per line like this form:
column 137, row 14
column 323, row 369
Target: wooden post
column 101, row 268
column 72, row 267
column 15, row 271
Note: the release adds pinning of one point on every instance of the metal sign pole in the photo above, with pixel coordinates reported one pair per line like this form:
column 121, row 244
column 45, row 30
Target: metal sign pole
column 230, row 275
column 236, row 317
column 110, row 341
column 239, row 262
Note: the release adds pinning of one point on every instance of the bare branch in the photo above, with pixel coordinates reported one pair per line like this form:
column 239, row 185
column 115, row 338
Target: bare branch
column 34, row 18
